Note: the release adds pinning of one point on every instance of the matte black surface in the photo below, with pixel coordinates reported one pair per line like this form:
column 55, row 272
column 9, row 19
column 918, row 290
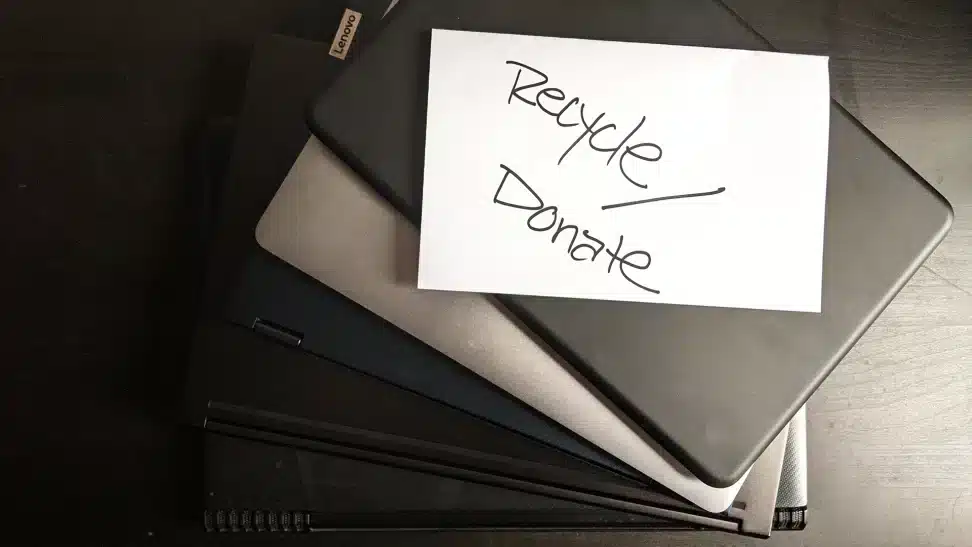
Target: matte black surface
column 715, row 405
column 115, row 91
column 346, row 493
column 238, row 376
column 273, row 105
column 263, row 390
column 285, row 396
column 249, row 379
column 337, row 328
column 245, row 283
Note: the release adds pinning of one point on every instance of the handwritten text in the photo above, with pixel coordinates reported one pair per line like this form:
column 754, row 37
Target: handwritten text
column 582, row 245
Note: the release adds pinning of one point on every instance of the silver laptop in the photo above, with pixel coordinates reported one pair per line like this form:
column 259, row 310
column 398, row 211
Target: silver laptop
column 326, row 221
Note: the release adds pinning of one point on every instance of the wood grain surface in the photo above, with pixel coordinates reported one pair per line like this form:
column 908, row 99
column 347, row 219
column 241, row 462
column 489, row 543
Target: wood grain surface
column 890, row 432
column 99, row 102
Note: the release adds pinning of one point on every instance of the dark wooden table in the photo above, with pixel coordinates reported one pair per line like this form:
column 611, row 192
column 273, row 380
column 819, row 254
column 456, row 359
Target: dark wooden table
column 100, row 103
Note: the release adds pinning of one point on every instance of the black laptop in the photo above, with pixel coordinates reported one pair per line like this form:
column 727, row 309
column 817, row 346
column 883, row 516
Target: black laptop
column 257, row 375
column 717, row 405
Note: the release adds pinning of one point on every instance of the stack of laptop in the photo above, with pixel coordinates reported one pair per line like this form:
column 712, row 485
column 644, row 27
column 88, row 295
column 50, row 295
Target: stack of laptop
column 336, row 395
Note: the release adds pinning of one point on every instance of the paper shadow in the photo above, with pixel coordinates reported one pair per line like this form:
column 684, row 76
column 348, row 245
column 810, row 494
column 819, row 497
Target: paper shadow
column 406, row 244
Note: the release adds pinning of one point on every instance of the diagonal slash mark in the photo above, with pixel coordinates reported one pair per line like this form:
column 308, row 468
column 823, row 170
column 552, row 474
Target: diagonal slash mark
column 663, row 198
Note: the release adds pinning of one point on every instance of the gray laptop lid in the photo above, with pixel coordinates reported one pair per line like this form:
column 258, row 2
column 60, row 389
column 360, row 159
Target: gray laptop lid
column 714, row 386
column 307, row 224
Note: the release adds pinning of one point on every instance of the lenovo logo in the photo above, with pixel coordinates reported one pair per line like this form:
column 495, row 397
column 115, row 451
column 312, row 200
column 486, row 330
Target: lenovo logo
column 345, row 33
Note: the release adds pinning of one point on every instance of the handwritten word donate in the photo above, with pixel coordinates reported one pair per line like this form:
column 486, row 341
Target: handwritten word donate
column 545, row 217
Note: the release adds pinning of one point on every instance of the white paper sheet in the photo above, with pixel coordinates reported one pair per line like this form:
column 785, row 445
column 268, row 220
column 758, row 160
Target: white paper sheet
column 624, row 171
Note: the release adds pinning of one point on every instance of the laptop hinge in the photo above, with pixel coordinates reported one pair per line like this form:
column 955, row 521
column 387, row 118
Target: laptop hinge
column 279, row 333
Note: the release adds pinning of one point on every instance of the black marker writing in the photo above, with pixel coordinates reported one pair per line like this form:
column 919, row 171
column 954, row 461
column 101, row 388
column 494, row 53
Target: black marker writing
column 516, row 90
column 545, row 97
column 499, row 190
column 585, row 246
column 594, row 126
column 719, row 190
column 545, row 217
column 630, row 152
column 550, row 212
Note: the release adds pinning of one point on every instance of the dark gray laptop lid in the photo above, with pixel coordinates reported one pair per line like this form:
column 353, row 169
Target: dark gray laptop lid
column 715, row 386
